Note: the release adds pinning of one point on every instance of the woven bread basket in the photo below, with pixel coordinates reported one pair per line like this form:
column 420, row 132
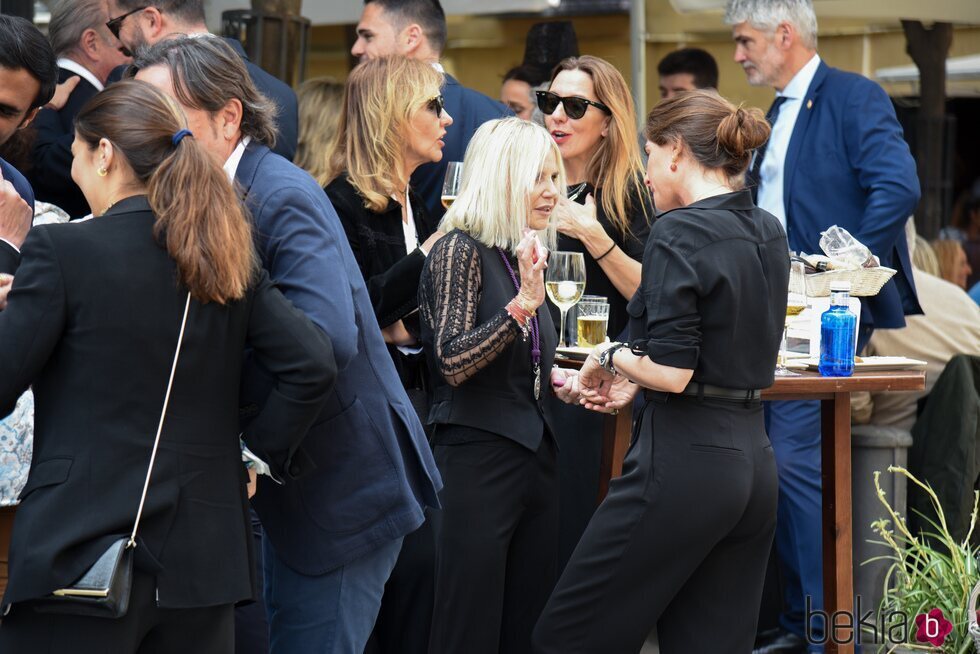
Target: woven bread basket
column 865, row 282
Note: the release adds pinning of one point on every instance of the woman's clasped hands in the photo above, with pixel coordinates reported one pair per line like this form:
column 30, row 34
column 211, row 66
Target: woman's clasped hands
column 593, row 387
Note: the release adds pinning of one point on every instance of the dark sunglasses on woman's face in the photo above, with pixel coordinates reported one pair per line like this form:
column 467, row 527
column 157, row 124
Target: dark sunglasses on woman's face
column 436, row 105
column 115, row 24
column 575, row 107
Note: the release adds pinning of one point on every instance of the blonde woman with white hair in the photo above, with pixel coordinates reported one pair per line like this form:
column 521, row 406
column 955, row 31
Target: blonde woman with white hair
column 490, row 344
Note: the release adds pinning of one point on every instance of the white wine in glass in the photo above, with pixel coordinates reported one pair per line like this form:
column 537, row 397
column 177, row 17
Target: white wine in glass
column 795, row 304
column 565, row 284
column 450, row 186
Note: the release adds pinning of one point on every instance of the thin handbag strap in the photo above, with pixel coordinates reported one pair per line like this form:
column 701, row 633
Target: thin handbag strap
column 163, row 414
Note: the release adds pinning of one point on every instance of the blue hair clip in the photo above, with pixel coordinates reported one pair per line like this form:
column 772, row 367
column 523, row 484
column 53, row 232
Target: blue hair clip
column 180, row 135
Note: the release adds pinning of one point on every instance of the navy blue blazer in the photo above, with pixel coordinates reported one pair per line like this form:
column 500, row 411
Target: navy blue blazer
column 9, row 257
column 51, row 156
column 374, row 472
column 287, row 106
column 469, row 110
column 848, row 164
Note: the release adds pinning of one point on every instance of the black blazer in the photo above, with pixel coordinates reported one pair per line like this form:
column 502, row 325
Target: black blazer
column 390, row 272
column 50, row 174
column 378, row 243
column 92, row 323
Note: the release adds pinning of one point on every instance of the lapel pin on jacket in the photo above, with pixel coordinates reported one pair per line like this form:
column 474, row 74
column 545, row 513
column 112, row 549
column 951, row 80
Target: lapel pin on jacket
column 809, row 104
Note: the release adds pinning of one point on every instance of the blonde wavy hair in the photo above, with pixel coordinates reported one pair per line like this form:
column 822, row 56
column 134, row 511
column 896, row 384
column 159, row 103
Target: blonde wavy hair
column 381, row 98
column 616, row 167
column 320, row 102
column 500, row 170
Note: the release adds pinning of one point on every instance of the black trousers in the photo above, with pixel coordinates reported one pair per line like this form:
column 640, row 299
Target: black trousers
column 496, row 540
column 145, row 629
column 680, row 542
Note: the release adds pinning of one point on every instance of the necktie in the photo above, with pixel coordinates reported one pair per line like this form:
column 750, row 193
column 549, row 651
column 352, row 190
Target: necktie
column 755, row 177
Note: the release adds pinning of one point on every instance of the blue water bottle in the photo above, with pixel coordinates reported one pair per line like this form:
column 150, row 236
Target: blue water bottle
column 838, row 334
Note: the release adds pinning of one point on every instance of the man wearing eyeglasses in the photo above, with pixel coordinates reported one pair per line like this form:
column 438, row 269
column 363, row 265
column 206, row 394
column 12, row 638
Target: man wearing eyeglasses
column 138, row 24
column 417, row 29
column 88, row 52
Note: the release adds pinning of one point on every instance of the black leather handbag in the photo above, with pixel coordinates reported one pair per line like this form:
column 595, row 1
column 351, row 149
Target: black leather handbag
column 103, row 590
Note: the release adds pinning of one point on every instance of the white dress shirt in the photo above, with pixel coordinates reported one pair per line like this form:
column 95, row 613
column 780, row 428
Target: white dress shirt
column 771, row 172
column 411, row 244
column 81, row 71
column 235, row 158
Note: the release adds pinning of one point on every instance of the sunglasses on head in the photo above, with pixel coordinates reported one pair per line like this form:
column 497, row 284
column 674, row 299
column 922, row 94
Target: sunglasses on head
column 575, row 107
column 436, row 105
column 115, row 24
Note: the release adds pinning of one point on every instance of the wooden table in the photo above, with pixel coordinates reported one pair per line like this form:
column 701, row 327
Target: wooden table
column 834, row 394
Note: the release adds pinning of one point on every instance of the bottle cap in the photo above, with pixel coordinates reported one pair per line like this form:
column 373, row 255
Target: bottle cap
column 840, row 286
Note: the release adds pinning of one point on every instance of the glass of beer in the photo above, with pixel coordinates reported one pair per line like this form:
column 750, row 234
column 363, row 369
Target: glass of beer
column 450, row 186
column 593, row 320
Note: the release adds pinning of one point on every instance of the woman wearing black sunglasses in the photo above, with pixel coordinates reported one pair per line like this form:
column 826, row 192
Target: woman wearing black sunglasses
column 589, row 113
column 392, row 120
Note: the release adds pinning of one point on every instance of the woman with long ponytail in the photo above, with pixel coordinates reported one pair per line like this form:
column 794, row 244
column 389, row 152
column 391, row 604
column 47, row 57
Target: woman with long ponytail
column 130, row 323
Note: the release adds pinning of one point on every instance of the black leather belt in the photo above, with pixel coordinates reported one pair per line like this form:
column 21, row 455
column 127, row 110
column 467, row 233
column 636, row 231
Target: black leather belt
column 698, row 389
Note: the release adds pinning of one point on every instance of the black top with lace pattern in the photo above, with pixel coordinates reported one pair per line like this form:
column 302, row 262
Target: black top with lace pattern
column 449, row 296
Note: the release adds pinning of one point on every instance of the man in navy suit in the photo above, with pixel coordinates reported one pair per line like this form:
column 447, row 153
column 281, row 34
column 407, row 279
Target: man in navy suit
column 417, row 29
column 331, row 539
column 86, row 51
column 28, row 75
column 836, row 156
column 138, row 24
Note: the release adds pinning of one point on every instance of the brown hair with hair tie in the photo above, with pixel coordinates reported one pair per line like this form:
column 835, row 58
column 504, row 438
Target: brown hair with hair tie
column 718, row 134
column 199, row 217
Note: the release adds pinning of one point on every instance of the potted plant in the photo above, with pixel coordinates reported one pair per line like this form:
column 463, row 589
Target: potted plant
column 929, row 582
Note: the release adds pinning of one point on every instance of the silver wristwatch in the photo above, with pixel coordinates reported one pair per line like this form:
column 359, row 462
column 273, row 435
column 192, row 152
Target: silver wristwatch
column 606, row 357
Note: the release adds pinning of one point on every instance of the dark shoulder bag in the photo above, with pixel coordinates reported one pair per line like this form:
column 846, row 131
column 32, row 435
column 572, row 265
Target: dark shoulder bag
column 103, row 591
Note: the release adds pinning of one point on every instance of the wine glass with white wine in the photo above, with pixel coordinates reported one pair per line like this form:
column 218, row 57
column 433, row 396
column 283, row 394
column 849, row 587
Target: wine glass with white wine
column 795, row 304
column 450, row 186
column 565, row 283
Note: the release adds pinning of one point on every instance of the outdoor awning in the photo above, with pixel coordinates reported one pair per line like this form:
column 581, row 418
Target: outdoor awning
column 955, row 11
column 343, row 12
column 957, row 68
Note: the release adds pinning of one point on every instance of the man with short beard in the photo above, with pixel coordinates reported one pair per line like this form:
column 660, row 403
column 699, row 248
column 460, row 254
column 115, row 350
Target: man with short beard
column 836, row 155
column 137, row 25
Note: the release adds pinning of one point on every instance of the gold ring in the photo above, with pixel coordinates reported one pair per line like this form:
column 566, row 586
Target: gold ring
column 615, row 412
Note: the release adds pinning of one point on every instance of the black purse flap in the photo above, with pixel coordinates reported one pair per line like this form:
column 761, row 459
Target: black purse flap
column 97, row 580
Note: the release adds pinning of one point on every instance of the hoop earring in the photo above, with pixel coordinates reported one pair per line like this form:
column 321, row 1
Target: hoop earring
column 102, row 172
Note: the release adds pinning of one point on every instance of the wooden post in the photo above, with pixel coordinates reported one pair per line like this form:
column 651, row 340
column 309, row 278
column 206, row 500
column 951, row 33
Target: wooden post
column 277, row 57
column 929, row 47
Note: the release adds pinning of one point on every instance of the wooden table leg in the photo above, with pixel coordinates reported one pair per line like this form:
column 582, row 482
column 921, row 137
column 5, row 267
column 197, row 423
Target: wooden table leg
column 6, row 529
column 616, row 433
column 838, row 582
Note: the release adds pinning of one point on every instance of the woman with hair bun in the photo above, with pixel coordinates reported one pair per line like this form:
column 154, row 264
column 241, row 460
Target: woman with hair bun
column 682, row 539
